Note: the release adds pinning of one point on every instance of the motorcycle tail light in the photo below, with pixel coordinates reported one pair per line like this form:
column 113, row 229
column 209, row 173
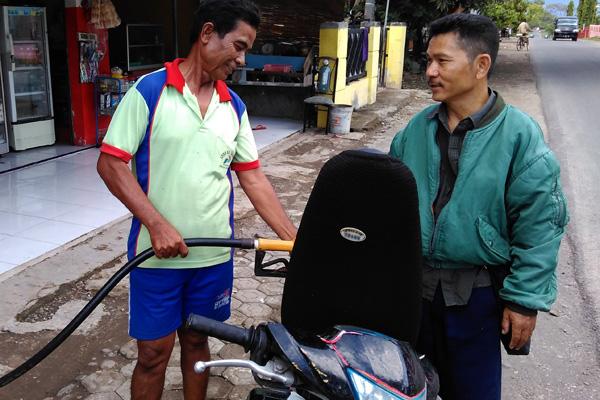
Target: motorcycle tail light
column 367, row 389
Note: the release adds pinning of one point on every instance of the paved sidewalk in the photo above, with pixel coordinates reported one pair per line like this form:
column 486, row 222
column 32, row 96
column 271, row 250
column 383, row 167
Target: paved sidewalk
column 291, row 164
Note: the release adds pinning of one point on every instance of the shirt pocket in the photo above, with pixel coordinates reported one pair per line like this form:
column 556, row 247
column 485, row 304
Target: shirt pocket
column 492, row 240
column 223, row 156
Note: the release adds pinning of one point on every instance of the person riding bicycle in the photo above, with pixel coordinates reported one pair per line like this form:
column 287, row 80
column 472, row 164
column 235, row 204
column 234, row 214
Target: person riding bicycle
column 522, row 29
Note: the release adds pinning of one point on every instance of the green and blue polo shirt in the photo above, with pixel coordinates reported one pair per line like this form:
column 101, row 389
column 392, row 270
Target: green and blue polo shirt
column 183, row 161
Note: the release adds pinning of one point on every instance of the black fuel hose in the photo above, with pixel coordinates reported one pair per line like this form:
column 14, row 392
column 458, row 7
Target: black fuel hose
column 103, row 292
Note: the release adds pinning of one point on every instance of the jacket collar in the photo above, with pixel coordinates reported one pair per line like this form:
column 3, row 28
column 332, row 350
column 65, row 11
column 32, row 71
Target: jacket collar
column 481, row 118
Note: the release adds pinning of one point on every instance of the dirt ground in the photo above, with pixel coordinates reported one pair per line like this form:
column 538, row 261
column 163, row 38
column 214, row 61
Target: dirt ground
column 412, row 80
column 81, row 355
column 536, row 377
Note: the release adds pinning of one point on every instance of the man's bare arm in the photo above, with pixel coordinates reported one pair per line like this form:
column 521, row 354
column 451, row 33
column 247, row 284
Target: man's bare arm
column 267, row 204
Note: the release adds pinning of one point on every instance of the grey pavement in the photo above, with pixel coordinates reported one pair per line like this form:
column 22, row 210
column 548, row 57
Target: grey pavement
column 90, row 262
column 292, row 165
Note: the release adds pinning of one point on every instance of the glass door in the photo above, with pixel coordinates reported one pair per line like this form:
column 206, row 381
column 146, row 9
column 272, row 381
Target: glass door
column 28, row 69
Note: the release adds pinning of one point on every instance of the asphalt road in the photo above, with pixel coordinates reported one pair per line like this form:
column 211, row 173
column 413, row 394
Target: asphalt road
column 567, row 76
column 565, row 354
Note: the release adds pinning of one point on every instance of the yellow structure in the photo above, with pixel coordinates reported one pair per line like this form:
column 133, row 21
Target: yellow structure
column 333, row 42
column 394, row 64
column 373, row 62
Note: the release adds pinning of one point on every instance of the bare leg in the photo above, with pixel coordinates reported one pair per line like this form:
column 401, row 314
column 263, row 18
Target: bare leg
column 148, row 378
column 194, row 348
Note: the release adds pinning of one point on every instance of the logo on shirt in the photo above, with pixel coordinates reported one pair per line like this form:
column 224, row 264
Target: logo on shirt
column 226, row 158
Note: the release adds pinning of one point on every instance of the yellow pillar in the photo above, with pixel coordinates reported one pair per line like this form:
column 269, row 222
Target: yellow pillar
column 394, row 63
column 372, row 64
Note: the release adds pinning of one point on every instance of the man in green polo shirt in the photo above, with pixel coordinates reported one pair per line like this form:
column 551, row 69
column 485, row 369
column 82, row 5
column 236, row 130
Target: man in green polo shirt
column 184, row 132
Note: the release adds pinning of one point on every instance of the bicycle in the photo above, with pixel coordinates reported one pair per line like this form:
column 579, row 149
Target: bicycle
column 522, row 42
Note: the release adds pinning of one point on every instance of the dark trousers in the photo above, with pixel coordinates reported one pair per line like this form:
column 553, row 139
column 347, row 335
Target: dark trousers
column 463, row 343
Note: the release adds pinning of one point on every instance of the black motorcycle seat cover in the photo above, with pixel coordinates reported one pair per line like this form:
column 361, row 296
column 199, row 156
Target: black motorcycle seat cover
column 357, row 256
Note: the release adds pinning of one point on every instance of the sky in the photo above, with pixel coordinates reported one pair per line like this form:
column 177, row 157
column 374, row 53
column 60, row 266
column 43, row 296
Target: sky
column 565, row 2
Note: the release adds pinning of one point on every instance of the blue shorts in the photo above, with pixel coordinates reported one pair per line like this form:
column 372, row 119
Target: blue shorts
column 161, row 299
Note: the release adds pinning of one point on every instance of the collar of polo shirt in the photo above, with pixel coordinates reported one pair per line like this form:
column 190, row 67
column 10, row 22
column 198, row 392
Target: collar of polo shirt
column 175, row 79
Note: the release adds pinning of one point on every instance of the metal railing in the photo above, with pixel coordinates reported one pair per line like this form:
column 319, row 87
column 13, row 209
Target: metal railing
column 355, row 67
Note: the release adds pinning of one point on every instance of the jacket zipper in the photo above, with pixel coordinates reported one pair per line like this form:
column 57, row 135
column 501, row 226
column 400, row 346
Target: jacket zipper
column 433, row 221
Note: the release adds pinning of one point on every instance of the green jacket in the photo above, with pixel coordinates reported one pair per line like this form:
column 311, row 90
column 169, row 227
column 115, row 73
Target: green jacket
column 507, row 206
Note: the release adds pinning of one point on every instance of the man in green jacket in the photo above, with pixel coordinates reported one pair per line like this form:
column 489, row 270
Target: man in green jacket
column 490, row 199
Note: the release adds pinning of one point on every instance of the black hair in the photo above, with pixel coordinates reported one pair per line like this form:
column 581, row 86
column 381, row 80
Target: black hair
column 477, row 34
column 224, row 14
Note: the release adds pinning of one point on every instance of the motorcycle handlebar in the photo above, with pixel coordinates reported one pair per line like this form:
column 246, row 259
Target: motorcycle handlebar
column 247, row 338
column 275, row 245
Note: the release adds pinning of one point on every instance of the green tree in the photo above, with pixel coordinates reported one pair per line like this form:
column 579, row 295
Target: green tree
column 534, row 14
column 570, row 8
column 538, row 16
column 417, row 14
column 588, row 12
column 354, row 9
column 506, row 13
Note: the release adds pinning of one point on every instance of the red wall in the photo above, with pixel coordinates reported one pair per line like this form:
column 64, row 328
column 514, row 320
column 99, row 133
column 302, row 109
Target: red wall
column 82, row 94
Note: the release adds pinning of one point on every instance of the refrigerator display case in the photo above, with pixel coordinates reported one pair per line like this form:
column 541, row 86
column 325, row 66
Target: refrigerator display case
column 26, row 70
column 3, row 133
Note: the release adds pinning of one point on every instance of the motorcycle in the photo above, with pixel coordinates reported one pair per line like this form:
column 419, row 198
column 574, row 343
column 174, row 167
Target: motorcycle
column 350, row 316
column 344, row 363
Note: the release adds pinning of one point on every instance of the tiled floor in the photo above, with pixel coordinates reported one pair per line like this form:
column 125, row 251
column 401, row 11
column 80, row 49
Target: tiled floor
column 275, row 129
column 49, row 203
column 15, row 160
column 46, row 205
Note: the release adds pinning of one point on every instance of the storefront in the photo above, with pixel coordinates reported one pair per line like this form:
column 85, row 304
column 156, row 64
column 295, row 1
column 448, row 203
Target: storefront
column 78, row 49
